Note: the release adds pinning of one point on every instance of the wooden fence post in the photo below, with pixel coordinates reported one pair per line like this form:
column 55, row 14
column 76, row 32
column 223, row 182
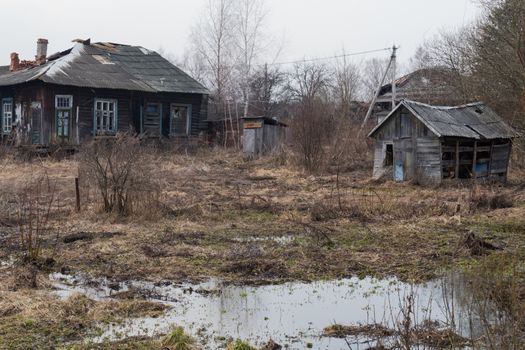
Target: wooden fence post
column 77, row 192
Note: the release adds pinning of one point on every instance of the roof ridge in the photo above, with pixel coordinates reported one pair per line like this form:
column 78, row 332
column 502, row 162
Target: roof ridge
column 466, row 105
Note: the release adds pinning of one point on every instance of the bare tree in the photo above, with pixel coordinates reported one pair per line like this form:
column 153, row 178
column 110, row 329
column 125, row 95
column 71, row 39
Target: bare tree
column 194, row 65
column 267, row 90
column 346, row 85
column 212, row 46
column 498, row 58
column 373, row 72
column 308, row 82
column 450, row 52
column 249, row 41
column 309, row 85
column 486, row 59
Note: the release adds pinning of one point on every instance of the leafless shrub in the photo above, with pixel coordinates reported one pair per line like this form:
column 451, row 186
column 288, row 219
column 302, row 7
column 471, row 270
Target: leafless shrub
column 474, row 245
column 281, row 155
column 310, row 131
column 35, row 203
column 498, row 300
column 120, row 170
column 308, row 86
column 478, row 199
column 347, row 149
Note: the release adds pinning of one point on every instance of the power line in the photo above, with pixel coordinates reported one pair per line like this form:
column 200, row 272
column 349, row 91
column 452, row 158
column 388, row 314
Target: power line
column 330, row 57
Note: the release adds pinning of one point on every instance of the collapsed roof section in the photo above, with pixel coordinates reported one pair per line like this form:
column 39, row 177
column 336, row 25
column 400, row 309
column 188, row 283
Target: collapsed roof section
column 109, row 66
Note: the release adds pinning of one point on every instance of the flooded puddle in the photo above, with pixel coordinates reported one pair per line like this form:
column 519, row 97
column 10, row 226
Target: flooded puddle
column 292, row 314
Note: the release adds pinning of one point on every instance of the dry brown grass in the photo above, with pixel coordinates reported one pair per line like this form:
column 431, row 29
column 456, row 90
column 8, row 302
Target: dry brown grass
column 251, row 222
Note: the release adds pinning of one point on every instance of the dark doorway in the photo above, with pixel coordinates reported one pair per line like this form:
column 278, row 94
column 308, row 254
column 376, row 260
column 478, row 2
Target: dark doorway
column 389, row 155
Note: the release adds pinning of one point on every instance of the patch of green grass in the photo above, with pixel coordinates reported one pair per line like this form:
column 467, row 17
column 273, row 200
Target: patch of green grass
column 239, row 345
column 177, row 339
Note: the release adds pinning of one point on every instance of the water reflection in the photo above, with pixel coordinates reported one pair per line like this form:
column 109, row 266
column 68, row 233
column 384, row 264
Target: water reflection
column 291, row 313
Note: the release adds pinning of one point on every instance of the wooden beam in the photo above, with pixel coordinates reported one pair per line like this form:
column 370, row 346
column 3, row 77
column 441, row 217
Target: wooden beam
column 456, row 175
column 490, row 160
column 508, row 161
column 474, row 159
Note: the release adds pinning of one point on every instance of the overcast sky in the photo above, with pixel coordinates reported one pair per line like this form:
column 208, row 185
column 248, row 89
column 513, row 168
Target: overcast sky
column 309, row 28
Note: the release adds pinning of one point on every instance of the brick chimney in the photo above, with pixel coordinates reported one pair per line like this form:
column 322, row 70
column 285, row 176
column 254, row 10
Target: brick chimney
column 15, row 62
column 41, row 51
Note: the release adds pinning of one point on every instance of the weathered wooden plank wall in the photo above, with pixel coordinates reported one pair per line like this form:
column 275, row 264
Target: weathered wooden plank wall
column 130, row 106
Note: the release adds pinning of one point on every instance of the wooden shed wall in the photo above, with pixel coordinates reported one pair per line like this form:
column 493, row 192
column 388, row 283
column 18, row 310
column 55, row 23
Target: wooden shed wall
column 415, row 148
column 428, row 159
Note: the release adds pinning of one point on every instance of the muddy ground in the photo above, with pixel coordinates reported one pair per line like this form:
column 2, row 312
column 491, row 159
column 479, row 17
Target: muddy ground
column 245, row 223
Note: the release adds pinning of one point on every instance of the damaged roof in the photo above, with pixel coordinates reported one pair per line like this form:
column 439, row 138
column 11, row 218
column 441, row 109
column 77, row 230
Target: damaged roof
column 428, row 85
column 109, row 66
column 475, row 120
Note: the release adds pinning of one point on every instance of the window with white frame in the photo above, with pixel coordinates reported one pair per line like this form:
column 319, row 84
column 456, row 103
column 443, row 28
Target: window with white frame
column 63, row 101
column 63, row 107
column 7, row 116
column 105, row 116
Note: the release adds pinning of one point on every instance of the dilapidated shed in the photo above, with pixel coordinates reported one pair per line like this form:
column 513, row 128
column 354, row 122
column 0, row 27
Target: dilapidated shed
column 417, row 141
column 261, row 135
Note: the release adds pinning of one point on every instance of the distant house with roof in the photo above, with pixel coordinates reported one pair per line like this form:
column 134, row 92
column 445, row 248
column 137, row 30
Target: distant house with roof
column 417, row 141
column 96, row 90
column 434, row 86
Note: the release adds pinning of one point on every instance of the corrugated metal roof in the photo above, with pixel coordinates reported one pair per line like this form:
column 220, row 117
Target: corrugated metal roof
column 111, row 66
column 476, row 120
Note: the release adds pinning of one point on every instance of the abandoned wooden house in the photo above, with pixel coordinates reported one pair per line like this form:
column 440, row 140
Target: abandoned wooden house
column 426, row 143
column 435, row 86
column 97, row 89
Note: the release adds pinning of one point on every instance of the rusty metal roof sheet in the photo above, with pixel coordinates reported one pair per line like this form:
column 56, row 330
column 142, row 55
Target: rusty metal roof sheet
column 108, row 65
column 475, row 120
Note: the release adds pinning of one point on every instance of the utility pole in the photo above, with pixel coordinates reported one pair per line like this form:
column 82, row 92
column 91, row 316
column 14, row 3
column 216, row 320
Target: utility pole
column 266, row 97
column 372, row 104
column 393, row 60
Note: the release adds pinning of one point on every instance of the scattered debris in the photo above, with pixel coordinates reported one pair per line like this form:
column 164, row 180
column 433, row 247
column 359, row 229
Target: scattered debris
column 372, row 330
column 23, row 277
column 80, row 236
column 442, row 338
column 88, row 236
column 475, row 245
column 429, row 334
column 256, row 268
column 271, row 345
column 152, row 251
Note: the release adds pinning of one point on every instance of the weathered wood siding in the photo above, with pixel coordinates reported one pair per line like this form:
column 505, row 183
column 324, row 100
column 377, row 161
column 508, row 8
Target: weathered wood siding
column 379, row 156
column 38, row 126
column 32, row 126
column 428, row 159
column 420, row 155
column 500, row 159
column 82, row 120
column 262, row 140
column 417, row 152
column 198, row 111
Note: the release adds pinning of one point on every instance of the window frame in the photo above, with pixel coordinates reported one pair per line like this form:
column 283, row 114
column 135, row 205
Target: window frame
column 188, row 123
column 8, row 100
column 69, row 97
column 60, row 108
column 105, row 131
